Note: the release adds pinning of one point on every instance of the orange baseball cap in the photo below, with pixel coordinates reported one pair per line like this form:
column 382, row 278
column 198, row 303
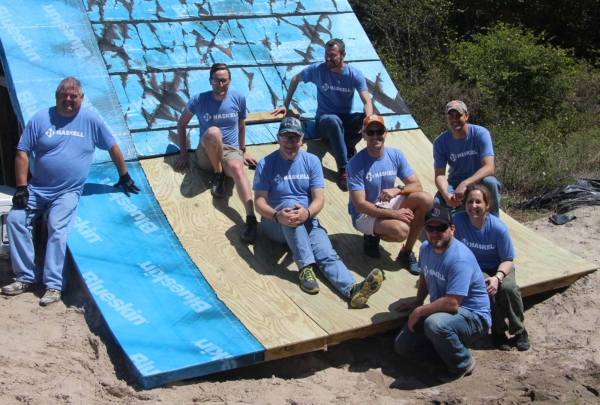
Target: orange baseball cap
column 372, row 119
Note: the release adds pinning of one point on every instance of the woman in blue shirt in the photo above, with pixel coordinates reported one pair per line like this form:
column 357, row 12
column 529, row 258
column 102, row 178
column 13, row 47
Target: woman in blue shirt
column 489, row 240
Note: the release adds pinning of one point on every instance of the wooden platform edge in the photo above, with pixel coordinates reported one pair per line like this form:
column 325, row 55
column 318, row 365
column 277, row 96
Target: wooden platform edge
column 554, row 283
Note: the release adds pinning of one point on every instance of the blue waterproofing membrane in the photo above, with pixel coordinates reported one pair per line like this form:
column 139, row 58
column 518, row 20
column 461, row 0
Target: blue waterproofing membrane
column 41, row 43
column 157, row 305
column 112, row 10
column 159, row 55
column 155, row 302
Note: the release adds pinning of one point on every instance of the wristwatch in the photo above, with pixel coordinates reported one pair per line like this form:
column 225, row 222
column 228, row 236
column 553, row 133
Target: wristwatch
column 401, row 188
column 499, row 279
column 275, row 216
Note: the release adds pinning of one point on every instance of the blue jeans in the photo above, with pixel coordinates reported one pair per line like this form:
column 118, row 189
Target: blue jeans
column 310, row 244
column 342, row 132
column 61, row 217
column 492, row 184
column 445, row 334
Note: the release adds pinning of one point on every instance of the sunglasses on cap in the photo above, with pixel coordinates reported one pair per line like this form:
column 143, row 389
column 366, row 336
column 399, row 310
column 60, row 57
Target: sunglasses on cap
column 371, row 132
column 440, row 228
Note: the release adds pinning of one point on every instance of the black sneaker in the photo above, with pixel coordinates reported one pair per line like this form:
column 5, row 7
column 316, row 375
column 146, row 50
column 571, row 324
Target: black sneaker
column 218, row 185
column 360, row 292
column 522, row 340
column 447, row 376
column 501, row 342
column 308, row 281
column 342, row 182
column 249, row 232
column 408, row 259
column 371, row 246
column 351, row 152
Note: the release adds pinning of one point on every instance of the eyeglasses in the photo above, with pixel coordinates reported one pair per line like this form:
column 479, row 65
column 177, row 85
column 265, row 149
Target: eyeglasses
column 440, row 228
column 69, row 96
column 217, row 81
column 371, row 132
column 293, row 139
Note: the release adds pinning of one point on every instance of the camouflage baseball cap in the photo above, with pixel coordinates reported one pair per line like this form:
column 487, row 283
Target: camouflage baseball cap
column 290, row 124
column 458, row 106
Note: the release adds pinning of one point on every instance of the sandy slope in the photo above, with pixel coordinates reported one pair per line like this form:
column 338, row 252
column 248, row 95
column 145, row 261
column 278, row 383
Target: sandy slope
column 64, row 355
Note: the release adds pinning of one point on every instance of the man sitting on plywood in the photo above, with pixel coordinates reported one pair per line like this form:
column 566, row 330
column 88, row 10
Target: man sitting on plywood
column 222, row 150
column 289, row 194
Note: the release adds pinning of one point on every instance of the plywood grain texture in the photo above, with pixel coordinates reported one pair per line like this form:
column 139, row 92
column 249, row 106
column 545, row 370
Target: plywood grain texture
column 259, row 283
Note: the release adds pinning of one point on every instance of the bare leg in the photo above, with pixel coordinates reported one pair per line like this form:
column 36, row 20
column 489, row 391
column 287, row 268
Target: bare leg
column 235, row 170
column 212, row 142
column 419, row 203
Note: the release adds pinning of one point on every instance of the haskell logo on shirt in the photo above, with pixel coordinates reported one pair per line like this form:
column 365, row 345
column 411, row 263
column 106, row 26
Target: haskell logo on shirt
column 207, row 117
column 287, row 177
column 454, row 157
column 325, row 87
column 371, row 176
column 427, row 271
column 50, row 132
column 476, row 245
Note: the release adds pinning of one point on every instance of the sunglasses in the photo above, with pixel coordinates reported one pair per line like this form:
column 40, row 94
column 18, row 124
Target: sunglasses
column 217, row 81
column 371, row 132
column 439, row 228
column 293, row 139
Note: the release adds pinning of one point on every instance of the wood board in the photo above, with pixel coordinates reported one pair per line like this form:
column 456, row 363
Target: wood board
column 259, row 283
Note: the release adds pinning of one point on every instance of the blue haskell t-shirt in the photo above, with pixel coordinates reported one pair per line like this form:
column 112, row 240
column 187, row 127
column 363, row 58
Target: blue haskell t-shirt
column 455, row 272
column 335, row 91
column 222, row 114
column 491, row 245
column 375, row 174
column 287, row 179
column 462, row 156
column 63, row 149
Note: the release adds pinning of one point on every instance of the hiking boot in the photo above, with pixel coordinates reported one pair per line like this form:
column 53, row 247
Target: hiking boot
column 360, row 292
column 351, row 152
column 408, row 259
column 50, row 297
column 249, row 232
column 18, row 287
column 218, row 185
column 501, row 341
column 522, row 340
column 342, row 182
column 308, row 281
column 447, row 376
column 371, row 246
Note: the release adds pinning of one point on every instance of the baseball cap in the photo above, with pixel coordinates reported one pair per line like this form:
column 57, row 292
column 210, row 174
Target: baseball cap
column 290, row 124
column 372, row 119
column 458, row 106
column 439, row 214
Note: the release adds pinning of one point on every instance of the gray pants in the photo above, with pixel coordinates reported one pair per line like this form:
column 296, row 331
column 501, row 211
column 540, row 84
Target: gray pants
column 507, row 304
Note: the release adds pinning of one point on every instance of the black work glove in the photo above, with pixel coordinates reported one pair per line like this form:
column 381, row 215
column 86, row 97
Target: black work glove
column 20, row 198
column 128, row 184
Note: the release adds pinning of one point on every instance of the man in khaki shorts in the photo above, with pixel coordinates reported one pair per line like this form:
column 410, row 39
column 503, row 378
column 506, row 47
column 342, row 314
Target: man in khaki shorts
column 222, row 150
column 378, row 209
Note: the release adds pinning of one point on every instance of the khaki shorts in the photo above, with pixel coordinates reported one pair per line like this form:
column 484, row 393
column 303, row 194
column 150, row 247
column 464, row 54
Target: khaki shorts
column 229, row 153
column 365, row 223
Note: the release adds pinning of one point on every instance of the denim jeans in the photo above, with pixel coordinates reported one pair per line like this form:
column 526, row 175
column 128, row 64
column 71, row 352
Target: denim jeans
column 342, row 132
column 310, row 244
column 492, row 184
column 61, row 217
column 445, row 334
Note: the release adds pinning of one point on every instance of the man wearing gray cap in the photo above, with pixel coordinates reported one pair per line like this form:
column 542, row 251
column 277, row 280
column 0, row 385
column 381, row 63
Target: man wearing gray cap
column 467, row 150
column 289, row 194
column 459, row 309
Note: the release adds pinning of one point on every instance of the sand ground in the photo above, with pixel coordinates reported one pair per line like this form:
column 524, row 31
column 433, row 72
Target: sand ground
column 64, row 354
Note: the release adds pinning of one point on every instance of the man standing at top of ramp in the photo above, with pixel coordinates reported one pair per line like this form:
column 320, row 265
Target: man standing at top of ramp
column 63, row 140
column 289, row 194
column 378, row 209
column 468, row 150
column 336, row 82
column 222, row 150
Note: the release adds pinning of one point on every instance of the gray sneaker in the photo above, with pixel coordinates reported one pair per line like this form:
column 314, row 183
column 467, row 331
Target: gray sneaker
column 308, row 281
column 360, row 292
column 18, row 287
column 447, row 376
column 50, row 297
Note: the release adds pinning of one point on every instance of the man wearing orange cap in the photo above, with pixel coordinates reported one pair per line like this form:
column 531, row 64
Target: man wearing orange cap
column 379, row 209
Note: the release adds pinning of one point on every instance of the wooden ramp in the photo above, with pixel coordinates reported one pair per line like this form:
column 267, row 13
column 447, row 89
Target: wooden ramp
column 259, row 283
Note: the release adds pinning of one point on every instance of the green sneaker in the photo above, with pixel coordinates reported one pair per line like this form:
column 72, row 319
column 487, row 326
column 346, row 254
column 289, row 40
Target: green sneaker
column 308, row 281
column 360, row 292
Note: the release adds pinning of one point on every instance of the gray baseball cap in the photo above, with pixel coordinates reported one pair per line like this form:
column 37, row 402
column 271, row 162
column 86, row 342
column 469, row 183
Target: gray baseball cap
column 458, row 106
column 290, row 124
